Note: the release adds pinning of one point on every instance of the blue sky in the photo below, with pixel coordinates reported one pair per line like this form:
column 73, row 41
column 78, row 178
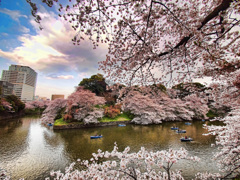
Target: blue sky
column 60, row 65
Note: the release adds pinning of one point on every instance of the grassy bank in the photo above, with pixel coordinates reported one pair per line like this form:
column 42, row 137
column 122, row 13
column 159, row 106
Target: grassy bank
column 121, row 117
column 61, row 122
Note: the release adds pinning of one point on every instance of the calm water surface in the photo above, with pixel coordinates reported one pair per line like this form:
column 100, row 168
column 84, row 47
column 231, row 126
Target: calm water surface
column 30, row 150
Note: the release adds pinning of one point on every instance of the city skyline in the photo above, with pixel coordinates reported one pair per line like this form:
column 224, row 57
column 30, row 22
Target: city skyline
column 60, row 65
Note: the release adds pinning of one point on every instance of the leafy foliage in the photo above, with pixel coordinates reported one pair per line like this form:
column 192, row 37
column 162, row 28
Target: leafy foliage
column 185, row 89
column 15, row 102
column 112, row 111
column 161, row 87
column 96, row 84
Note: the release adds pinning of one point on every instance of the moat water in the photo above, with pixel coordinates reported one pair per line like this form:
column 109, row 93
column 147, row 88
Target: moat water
column 30, row 150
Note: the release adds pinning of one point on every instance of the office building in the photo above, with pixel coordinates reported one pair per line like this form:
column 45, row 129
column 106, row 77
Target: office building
column 24, row 80
column 6, row 89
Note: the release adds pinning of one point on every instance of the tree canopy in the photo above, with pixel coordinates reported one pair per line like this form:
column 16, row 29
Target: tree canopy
column 96, row 84
column 154, row 40
column 16, row 103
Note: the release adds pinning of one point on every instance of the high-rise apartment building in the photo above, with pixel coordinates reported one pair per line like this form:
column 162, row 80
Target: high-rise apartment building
column 24, row 80
column 6, row 89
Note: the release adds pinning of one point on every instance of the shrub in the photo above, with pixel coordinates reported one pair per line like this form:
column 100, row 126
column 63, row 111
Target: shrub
column 67, row 117
column 112, row 111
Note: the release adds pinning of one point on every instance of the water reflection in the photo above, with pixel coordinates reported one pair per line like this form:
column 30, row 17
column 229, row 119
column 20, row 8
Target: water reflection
column 31, row 150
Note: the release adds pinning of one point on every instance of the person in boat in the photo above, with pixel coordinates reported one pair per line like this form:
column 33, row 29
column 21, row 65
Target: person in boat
column 185, row 137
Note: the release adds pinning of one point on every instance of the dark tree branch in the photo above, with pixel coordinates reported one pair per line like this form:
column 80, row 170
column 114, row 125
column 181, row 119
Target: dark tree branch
column 222, row 7
column 176, row 19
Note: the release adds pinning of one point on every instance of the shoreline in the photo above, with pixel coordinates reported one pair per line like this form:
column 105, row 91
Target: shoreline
column 7, row 115
column 100, row 124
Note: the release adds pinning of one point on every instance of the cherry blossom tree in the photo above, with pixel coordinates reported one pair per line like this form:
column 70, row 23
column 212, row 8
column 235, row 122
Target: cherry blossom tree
column 152, row 106
column 174, row 38
column 6, row 105
column 227, row 140
column 227, row 137
column 37, row 104
column 124, row 165
column 78, row 105
column 84, row 98
column 53, row 109
column 81, row 103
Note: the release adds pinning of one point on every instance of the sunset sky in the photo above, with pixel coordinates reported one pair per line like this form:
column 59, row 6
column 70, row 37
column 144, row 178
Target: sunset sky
column 60, row 65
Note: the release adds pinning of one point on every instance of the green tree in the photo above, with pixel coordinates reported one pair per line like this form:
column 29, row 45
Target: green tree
column 96, row 84
column 17, row 104
column 186, row 89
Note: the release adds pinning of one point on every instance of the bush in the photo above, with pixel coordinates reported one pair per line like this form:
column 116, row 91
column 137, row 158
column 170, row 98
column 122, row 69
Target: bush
column 67, row 117
column 112, row 111
column 17, row 104
column 129, row 114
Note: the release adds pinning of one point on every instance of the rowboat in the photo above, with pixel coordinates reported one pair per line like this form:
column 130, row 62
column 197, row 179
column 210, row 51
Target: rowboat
column 174, row 128
column 184, row 139
column 181, row 131
column 96, row 137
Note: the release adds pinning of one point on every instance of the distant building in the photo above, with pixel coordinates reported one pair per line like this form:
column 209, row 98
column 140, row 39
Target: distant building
column 44, row 99
column 55, row 96
column 24, row 80
column 38, row 98
column 6, row 88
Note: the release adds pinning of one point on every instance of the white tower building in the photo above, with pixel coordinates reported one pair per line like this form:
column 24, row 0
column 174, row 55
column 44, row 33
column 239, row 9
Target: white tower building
column 24, row 79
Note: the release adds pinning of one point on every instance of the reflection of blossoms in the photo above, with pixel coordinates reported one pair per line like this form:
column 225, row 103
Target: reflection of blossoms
column 124, row 165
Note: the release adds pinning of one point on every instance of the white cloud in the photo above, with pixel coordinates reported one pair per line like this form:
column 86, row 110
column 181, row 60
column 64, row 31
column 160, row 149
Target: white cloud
column 51, row 50
column 4, row 34
column 46, row 90
column 60, row 77
column 84, row 75
column 24, row 29
column 15, row 15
